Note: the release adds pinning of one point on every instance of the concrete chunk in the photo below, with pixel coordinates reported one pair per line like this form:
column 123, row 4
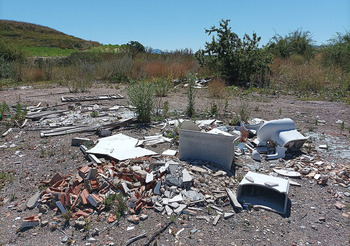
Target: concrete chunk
column 33, row 201
column 186, row 177
column 216, row 219
column 168, row 210
column 180, row 208
column 157, row 188
column 228, row 215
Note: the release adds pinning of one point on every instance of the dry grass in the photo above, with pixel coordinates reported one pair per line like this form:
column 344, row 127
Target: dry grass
column 217, row 89
column 296, row 75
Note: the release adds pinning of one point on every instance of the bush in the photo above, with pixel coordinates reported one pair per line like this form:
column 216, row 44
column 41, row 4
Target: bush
column 297, row 42
column 141, row 96
column 236, row 60
column 337, row 52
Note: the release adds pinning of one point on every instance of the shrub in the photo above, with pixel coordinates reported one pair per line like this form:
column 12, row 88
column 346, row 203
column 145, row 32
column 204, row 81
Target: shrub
column 236, row 60
column 141, row 96
column 337, row 52
column 298, row 42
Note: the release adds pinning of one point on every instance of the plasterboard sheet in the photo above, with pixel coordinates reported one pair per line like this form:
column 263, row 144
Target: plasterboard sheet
column 120, row 147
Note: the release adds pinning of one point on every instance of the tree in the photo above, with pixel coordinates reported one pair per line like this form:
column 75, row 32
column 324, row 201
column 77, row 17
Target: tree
column 236, row 60
column 136, row 47
column 297, row 42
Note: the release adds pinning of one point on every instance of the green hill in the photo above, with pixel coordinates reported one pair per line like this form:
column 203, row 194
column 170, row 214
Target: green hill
column 32, row 35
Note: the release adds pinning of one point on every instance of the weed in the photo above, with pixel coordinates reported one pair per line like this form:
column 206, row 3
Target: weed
column 208, row 209
column 191, row 96
column 51, row 153
column 87, row 225
column 244, row 111
column 213, row 110
column 239, row 178
column 13, row 197
column 121, row 204
column 67, row 215
column 4, row 110
column 226, row 104
column 280, row 111
column 342, row 126
column 94, row 114
column 42, row 153
column 141, row 96
column 4, row 178
column 110, row 200
column 166, row 109
column 173, row 218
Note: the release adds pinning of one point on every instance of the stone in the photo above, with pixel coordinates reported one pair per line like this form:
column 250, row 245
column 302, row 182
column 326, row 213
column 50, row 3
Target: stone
column 33, row 201
column 173, row 180
column 228, row 215
column 43, row 208
column 95, row 232
column 186, row 177
column 216, row 219
column 133, row 219
column 207, row 218
column 180, row 208
column 174, row 205
column 79, row 224
column 198, row 169
column 339, row 205
column 219, row 173
column 44, row 223
column 323, row 219
column 168, row 210
column 193, row 195
column 143, row 217
column 177, row 198
column 157, row 188
column 159, row 209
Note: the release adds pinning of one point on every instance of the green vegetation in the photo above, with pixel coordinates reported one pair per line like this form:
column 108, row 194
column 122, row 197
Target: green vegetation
column 141, row 95
column 47, row 51
column 4, row 178
column 236, row 60
column 116, row 202
column 31, row 35
column 289, row 64
column 191, row 94
column 297, row 42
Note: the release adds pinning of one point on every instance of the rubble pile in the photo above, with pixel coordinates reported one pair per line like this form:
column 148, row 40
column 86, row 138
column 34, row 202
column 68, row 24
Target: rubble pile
column 312, row 167
column 168, row 186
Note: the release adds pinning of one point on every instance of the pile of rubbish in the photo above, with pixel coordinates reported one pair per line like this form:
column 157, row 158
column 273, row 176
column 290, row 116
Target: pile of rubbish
column 195, row 175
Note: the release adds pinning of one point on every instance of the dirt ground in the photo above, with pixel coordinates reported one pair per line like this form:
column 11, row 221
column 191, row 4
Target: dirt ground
column 313, row 219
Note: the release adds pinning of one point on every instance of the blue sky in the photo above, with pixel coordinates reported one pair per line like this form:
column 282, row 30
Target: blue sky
column 180, row 24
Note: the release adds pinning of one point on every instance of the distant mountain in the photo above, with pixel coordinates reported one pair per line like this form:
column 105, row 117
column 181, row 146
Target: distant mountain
column 27, row 34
